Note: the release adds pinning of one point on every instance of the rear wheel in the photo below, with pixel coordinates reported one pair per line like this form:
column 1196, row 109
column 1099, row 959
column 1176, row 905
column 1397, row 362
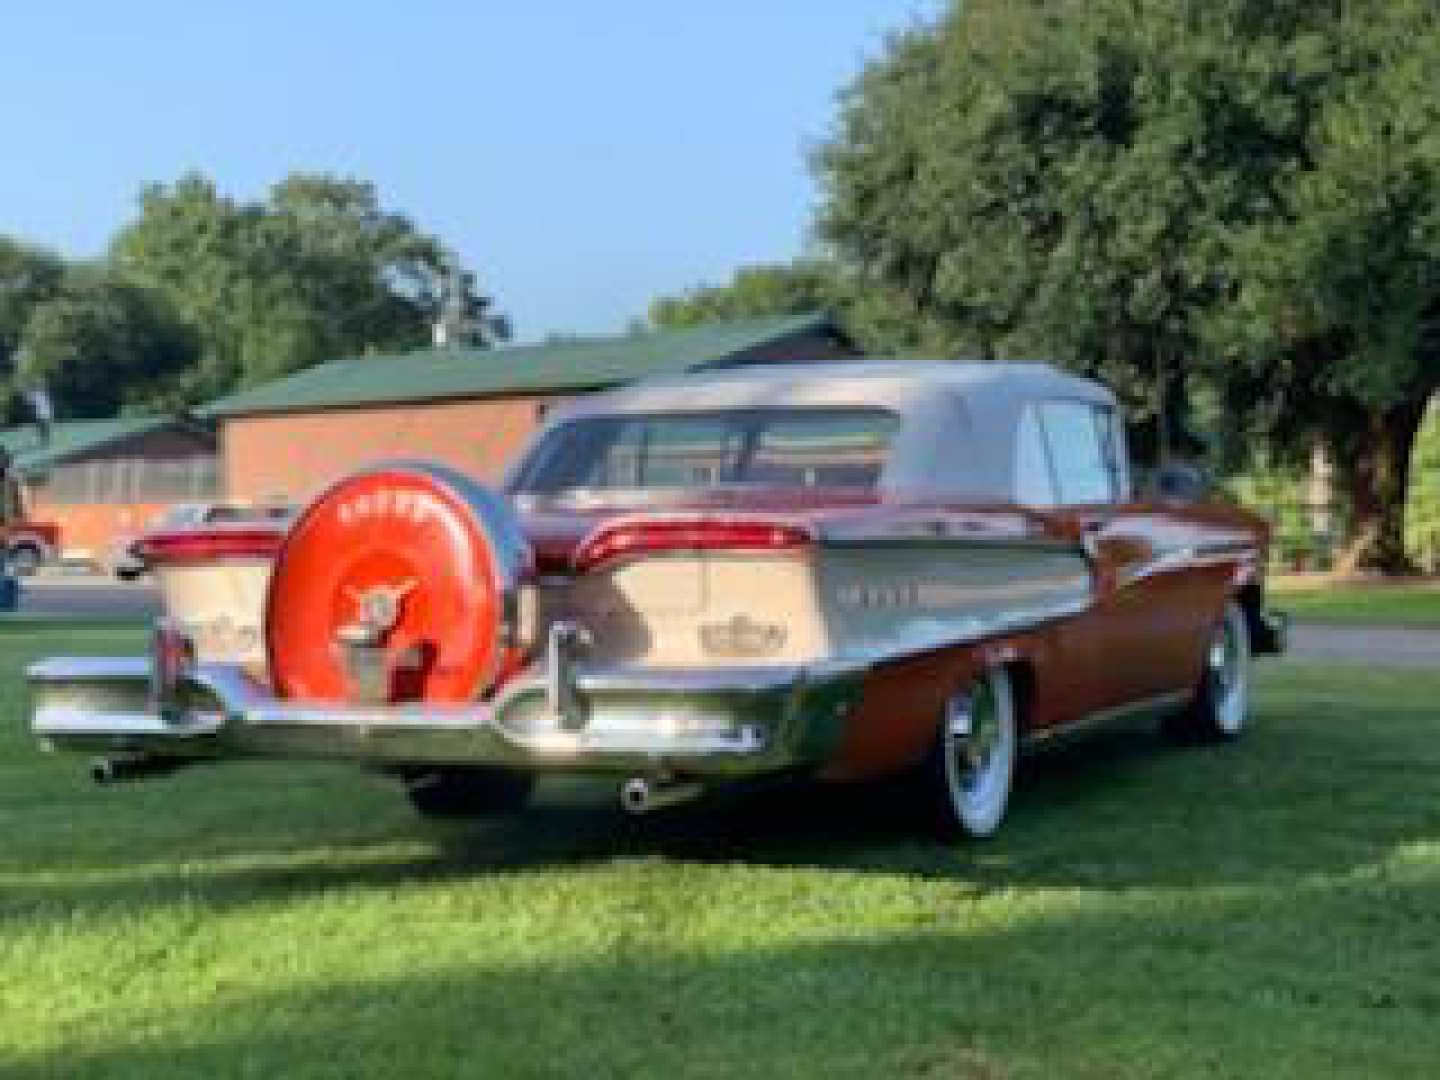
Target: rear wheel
column 971, row 768
column 458, row 792
column 1221, row 705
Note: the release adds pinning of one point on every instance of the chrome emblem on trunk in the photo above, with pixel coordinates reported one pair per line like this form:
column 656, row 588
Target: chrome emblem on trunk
column 742, row 636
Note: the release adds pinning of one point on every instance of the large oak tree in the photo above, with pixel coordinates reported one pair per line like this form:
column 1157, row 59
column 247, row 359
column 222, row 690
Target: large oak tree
column 1167, row 191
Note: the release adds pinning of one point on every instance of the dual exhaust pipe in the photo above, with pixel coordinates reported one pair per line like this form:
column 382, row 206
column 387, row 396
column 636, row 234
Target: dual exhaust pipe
column 125, row 768
column 643, row 795
column 638, row 796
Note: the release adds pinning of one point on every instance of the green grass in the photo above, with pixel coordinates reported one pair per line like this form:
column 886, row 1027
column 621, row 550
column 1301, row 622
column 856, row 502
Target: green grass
column 1399, row 603
column 1269, row 909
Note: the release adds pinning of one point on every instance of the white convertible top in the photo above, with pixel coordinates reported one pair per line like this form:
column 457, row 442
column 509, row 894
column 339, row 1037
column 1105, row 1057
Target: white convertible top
column 801, row 384
column 958, row 418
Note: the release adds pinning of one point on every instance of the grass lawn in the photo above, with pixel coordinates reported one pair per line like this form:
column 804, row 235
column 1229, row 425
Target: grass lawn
column 1269, row 909
column 1401, row 603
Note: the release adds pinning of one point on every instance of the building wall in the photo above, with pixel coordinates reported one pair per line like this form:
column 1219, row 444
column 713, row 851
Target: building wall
column 101, row 499
column 293, row 456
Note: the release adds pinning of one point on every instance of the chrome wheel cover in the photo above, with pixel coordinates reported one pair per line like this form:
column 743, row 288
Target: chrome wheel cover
column 1227, row 665
column 979, row 742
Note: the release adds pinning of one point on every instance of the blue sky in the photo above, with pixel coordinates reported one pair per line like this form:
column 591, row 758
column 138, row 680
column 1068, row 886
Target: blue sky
column 582, row 157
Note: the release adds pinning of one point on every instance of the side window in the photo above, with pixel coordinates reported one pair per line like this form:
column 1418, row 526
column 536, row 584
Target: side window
column 1078, row 435
column 1034, row 482
column 1117, row 454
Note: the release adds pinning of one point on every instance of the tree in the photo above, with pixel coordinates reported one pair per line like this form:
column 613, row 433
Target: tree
column 1148, row 189
column 28, row 276
column 316, row 272
column 752, row 292
column 1338, row 313
column 103, row 344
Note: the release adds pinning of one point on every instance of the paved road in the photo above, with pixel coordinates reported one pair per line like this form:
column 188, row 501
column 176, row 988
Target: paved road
column 1386, row 646
column 88, row 596
column 1390, row 646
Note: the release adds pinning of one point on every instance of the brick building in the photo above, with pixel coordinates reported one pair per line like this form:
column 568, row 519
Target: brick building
column 472, row 409
column 103, row 479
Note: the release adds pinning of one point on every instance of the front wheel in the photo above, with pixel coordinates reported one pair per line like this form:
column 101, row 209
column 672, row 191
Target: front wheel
column 972, row 767
column 458, row 792
column 1221, row 705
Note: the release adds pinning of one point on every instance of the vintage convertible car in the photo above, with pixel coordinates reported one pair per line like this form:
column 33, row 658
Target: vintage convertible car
column 844, row 571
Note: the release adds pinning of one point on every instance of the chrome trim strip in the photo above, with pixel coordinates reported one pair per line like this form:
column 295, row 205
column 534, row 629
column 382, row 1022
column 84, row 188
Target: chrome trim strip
column 573, row 743
column 734, row 680
column 829, row 538
column 70, row 669
column 71, row 720
column 1118, row 714
column 1187, row 558
column 396, row 718
column 953, row 638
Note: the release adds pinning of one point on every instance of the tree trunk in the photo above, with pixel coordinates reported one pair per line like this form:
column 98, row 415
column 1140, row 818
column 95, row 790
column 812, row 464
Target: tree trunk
column 1375, row 476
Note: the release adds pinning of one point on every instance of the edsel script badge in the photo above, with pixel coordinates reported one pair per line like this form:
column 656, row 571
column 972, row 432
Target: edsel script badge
column 742, row 636
column 393, row 502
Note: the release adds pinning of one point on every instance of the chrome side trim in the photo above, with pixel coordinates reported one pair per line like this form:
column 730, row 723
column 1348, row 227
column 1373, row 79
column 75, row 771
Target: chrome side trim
column 920, row 536
column 1187, row 558
column 953, row 637
column 1159, row 704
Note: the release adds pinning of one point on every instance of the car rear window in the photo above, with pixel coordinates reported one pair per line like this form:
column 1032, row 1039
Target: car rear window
column 810, row 448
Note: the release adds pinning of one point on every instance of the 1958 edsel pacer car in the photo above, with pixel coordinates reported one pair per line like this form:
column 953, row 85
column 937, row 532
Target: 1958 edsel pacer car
column 843, row 571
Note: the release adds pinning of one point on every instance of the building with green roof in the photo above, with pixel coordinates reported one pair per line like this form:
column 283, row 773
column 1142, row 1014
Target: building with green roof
column 99, row 480
column 470, row 408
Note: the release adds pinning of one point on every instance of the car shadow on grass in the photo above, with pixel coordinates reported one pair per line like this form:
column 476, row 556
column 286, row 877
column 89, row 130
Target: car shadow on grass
column 1117, row 810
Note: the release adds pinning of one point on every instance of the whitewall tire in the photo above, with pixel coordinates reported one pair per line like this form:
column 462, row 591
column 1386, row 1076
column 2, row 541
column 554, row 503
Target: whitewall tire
column 1220, row 710
column 972, row 768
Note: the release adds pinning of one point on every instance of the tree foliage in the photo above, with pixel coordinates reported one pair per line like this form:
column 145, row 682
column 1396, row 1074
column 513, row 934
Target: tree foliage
column 1164, row 192
column 203, row 294
column 103, row 344
column 752, row 292
column 28, row 276
column 316, row 271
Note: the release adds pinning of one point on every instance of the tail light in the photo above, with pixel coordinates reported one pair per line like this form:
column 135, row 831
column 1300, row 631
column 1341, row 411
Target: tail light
column 635, row 537
column 182, row 546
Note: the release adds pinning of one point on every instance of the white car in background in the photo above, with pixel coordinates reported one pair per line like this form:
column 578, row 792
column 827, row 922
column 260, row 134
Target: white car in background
column 129, row 562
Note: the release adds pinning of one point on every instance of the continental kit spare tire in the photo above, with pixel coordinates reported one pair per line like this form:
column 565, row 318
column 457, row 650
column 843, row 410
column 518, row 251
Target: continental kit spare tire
column 414, row 566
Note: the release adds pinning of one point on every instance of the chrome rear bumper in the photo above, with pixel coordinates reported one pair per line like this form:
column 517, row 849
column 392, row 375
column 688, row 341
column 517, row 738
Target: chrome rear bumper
column 711, row 722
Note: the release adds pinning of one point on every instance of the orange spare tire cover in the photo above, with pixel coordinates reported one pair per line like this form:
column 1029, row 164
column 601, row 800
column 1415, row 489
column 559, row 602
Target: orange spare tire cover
column 416, row 562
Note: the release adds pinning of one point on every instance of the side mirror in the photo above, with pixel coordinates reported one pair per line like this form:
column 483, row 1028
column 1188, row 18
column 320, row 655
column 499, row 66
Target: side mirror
column 1179, row 481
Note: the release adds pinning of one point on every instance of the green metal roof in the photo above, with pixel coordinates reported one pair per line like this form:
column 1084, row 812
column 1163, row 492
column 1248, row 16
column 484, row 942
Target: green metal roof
column 71, row 438
column 556, row 366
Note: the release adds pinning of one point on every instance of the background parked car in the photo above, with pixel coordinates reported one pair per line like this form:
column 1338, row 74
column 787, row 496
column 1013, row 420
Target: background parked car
column 29, row 545
column 129, row 562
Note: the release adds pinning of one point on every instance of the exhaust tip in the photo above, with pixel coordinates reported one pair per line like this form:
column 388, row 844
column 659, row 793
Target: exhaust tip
column 635, row 795
column 642, row 795
column 123, row 769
